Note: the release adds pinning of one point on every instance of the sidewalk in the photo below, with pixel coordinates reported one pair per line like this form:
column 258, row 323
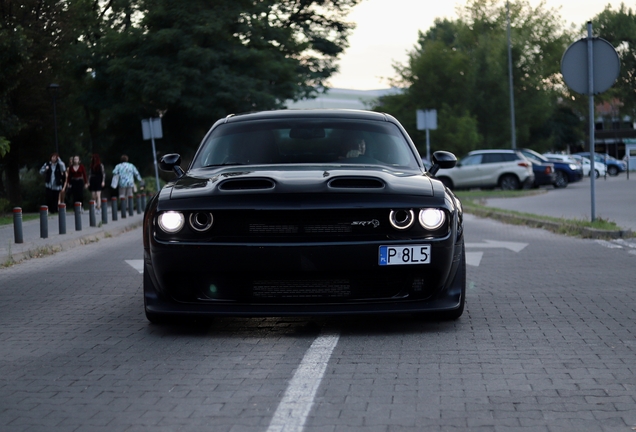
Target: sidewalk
column 34, row 246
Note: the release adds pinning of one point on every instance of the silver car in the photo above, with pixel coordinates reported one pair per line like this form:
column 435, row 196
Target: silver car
column 506, row 169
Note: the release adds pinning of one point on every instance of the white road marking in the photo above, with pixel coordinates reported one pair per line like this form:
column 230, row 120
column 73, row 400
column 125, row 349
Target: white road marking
column 292, row 412
column 474, row 258
column 490, row 244
column 137, row 265
column 609, row 244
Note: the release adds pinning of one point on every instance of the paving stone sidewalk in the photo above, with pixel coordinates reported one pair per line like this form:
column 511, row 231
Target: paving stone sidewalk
column 34, row 245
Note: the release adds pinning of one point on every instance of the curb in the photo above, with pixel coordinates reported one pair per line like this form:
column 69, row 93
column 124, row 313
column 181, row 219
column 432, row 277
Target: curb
column 50, row 248
column 556, row 227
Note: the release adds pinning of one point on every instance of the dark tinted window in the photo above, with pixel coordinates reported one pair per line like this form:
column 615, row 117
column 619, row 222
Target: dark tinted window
column 296, row 141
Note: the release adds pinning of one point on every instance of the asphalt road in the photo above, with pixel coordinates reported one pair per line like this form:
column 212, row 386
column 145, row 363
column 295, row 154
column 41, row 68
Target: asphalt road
column 614, row 200
column 547, row 343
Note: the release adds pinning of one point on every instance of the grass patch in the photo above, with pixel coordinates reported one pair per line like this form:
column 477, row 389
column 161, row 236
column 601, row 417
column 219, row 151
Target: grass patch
column 7, row 219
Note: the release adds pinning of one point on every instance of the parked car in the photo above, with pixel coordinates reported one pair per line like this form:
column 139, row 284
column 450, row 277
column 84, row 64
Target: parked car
column 614, row 166
column 507, row 169
column 544, row 173
column 568, row 170
column 599, row 168
column 276, row 216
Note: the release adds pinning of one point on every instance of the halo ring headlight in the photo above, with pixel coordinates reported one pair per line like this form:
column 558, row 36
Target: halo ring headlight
column 431, row 218
column 171, row 222
column 401, row 219
column 201, row 221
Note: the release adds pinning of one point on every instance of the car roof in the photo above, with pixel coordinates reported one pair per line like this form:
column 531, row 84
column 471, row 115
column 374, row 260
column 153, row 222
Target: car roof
column 310, row 113
column 493, row 151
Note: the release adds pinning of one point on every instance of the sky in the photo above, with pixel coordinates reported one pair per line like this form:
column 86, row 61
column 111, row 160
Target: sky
column 386, row 30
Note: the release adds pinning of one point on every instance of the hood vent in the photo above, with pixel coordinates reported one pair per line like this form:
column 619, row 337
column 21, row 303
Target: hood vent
column 246, row 184
column 356, row 183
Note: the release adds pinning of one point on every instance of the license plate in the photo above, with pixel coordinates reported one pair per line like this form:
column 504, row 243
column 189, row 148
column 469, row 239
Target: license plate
column 404, row 255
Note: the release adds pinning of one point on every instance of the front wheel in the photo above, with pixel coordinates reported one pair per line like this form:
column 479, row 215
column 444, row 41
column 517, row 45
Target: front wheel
column 509, row 182
column 561, row 180
column 596, row 174
column 612, row 171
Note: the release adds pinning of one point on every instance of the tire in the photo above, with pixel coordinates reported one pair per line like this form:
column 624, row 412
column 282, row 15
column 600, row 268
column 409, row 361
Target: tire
column 509, row 182
column 153, row 317
column 458, row 281
column 446, row 182
column 561, row 180
column 596, row 174
column 612, row 171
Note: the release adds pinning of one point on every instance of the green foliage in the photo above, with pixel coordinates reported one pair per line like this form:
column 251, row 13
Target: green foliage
column 619, row 28
column 460, row 68
column 122, row 61
column 33, row 192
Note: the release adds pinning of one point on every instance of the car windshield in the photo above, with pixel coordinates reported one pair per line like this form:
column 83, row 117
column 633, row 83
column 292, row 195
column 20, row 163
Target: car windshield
column 306, row 141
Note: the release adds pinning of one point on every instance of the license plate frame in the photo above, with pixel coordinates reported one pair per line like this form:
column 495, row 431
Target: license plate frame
column 404, row 255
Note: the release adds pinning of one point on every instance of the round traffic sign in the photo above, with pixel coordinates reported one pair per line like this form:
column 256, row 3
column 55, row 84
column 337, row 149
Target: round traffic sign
column 605, row 63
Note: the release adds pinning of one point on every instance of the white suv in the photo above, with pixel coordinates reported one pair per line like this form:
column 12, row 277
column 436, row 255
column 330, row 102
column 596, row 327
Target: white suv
column 507, row 169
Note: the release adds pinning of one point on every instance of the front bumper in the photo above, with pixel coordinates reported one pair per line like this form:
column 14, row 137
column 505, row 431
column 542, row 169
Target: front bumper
column 292, row 279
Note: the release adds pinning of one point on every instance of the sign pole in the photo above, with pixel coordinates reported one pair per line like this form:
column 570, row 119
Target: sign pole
column 154, row 152
column 590, row 83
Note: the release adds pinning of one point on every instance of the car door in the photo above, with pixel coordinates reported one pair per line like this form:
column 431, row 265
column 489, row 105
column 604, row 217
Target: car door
column 468, row 172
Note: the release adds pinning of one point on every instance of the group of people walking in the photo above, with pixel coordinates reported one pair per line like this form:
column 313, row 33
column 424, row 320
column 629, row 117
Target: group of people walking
column 61, row 182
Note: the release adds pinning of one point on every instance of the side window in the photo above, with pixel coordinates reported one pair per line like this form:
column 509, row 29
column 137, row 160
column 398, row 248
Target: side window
column 471, row 160
column 493, row 158
column 509, row 157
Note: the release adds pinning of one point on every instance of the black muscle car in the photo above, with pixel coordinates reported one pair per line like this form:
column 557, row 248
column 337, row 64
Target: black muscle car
column 304, row 212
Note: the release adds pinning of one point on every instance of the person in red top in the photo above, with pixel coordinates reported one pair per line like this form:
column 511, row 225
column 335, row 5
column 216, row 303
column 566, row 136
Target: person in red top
column 77, row 180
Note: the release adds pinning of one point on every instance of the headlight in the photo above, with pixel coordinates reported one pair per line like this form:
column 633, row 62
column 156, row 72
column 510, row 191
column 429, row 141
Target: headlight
column 201, row 221
column 573, row 167
column 171, row 222
column 401, row 219
column 432, row 219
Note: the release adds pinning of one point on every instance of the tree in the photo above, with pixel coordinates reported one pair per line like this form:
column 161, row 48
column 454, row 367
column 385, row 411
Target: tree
column 191, row 62
column 619, row 28
column 460, row 68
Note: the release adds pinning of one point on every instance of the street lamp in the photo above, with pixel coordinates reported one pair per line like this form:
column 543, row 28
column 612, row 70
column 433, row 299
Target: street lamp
column 54, row 89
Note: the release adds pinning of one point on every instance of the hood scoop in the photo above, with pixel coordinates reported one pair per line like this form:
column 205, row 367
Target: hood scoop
column 246, row 184
column 356, row 183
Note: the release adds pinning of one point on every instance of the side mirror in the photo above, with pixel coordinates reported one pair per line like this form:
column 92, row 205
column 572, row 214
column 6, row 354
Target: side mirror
column 170, row 162
column 442, row 160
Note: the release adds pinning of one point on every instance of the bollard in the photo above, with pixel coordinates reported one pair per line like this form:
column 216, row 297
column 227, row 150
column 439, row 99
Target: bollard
column 92, row 220
column 113, row 202
column 143, row 201
column 44, row 221
column 17, row 225
column 78, row 216
column 61, row 207
column 138, row 203
column 104, row 211
column 123, row 207
column 131, row 209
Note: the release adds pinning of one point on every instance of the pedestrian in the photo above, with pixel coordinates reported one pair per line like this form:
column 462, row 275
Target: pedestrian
column 97, row 180
column 127, row 173
column 54, row 179
column 78, row 180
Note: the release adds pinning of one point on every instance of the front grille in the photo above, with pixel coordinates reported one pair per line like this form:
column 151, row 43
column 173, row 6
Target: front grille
column 304, row 225
column 301, row 289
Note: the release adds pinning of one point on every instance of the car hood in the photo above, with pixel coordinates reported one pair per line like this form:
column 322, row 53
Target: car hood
column 299, row 180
